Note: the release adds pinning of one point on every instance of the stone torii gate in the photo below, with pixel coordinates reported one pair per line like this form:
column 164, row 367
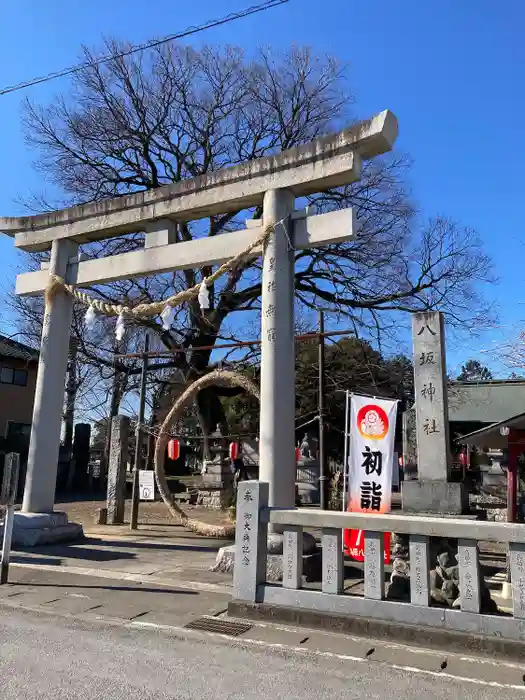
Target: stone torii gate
column 274, row 181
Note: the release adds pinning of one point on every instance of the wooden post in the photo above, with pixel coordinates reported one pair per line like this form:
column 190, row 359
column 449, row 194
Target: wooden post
column 133, row 524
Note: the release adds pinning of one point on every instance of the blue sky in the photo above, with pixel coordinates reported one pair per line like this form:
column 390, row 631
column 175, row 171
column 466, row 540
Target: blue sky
column 451, row 71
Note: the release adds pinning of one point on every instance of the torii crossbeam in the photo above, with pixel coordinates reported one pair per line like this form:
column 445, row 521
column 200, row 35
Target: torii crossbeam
column 275, row 182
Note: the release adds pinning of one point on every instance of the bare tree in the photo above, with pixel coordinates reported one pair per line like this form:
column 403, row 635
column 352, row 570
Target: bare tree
column 143, row 121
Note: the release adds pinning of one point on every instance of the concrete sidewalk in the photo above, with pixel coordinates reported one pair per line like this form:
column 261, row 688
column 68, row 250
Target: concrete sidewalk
column 181, row 560
column 161, row 550
column 107, row 599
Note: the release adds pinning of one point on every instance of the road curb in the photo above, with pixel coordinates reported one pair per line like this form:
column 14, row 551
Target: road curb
column 435, row 639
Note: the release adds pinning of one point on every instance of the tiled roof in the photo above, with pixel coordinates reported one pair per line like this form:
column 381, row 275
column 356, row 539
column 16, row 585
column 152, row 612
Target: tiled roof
column 18, row 351
column 485, row 402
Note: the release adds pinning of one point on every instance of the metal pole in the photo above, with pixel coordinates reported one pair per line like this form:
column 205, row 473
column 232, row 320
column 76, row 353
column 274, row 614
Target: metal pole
column 321, row 403
column 9, row 489
column 133, row 523
column 345, row 458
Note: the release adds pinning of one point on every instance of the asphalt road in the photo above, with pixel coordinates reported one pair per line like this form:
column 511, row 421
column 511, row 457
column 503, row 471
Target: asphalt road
column 43, row 657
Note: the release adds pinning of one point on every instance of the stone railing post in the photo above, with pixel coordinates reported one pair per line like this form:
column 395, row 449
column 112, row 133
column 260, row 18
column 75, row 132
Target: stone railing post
column 293, row 557
column 333, row 561
column 469, row 575
column 517, row 577
column 419, row 570
column 251, row 533
column 374, row 565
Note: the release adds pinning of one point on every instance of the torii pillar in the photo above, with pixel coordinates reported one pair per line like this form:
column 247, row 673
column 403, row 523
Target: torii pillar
column 277, row 416
column 38, row 522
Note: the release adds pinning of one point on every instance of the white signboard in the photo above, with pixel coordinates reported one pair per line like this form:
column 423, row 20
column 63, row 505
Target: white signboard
column 146, row 485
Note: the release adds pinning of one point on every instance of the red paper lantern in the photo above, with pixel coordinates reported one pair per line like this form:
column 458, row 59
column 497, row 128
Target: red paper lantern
column 297, row 455
column 173, row 449
column 234, row 450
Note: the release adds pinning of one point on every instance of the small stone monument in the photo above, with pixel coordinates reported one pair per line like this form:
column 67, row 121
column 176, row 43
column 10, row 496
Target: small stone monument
column 217, row 480
column 308, row 472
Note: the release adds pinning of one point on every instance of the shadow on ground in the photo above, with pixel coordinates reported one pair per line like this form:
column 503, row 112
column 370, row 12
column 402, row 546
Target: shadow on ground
column 157, row 546
column 55, row 554
column 34, row 561
column 119, row 588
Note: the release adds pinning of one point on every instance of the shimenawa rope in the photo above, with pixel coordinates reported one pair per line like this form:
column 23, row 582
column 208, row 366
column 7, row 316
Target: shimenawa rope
column 57, row 284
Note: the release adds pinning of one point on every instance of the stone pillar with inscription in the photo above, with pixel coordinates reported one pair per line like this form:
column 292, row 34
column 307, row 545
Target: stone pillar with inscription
column 277, row 464
column 250, row 540
column 432, row 492
column 118, row 459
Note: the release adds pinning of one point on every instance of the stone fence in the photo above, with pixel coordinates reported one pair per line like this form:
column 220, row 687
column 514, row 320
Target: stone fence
column 250, row 585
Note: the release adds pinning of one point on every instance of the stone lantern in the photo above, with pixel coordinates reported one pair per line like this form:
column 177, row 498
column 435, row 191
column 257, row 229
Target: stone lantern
column 217, row 479
column 308, row 472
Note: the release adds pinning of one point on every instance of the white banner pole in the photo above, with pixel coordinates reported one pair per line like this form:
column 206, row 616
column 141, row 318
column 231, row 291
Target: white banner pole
column 345, row 457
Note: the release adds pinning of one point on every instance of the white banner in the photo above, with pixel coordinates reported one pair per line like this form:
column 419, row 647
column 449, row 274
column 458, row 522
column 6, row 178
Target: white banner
column 372, row 434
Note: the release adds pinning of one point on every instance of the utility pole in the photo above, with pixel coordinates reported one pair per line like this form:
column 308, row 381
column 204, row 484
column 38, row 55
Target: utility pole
column 321, row 407
column 133, row 523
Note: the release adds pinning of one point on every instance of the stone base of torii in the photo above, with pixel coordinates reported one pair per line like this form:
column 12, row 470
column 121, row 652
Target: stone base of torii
column 275, row 182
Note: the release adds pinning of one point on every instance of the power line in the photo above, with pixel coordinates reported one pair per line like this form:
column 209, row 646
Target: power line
column 148, row 45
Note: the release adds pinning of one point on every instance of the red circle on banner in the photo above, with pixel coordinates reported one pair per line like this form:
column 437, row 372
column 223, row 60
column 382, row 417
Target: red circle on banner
column 372, row 422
